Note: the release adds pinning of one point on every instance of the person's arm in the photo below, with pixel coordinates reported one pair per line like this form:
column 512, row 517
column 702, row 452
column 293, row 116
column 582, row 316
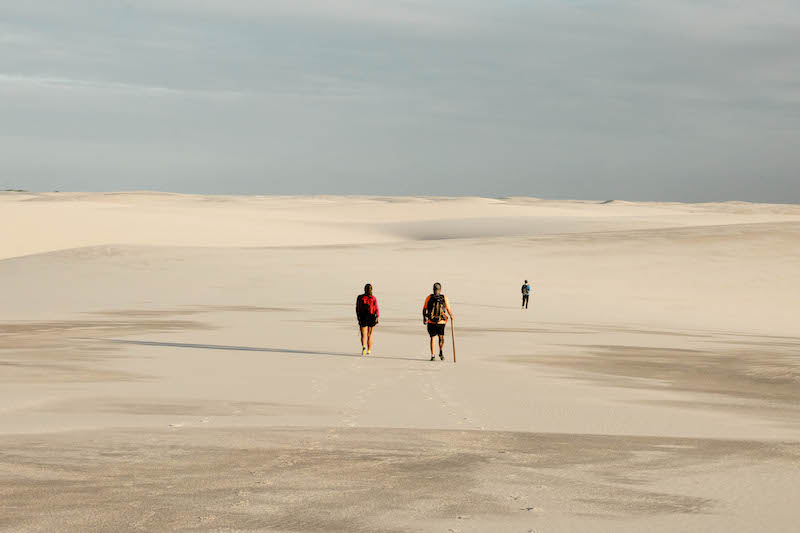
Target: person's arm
column 377, row 311
column 447, row 306
column 425, row 310
column 357, row 315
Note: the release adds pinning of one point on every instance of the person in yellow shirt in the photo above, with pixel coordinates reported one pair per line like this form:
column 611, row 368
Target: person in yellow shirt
column 435, row 312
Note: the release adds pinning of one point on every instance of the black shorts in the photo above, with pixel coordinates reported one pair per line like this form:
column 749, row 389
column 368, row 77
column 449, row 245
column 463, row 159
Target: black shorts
column 367, row 322
column 435, row 329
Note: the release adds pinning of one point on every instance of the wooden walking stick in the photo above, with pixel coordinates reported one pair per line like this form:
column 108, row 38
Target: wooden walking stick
column 453, row 335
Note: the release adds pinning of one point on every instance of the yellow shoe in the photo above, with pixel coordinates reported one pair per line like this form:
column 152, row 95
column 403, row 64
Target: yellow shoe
column 369, row 352
column 363, row 350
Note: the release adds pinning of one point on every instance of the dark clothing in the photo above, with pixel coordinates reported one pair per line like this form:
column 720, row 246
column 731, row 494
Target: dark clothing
column 525, row 300
column 435, row 329
column 435, row 308
column 367, row 310
column 367, row 322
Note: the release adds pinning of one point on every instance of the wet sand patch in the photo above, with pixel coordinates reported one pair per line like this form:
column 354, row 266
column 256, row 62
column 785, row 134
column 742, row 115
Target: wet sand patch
column 763, row 380
column 64, row 351
column 332, row 479
column 185, row 407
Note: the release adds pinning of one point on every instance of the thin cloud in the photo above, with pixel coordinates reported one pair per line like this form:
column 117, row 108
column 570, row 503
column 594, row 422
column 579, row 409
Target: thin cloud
column 74, row 84
column 414, row 14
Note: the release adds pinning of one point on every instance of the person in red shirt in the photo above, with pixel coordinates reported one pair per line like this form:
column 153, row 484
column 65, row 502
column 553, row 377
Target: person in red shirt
column 368, row 316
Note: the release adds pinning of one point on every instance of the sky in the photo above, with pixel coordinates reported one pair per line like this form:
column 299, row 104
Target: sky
column 678, row 100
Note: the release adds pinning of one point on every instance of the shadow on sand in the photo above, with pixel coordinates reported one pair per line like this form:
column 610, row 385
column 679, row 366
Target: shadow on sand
column 250, row 349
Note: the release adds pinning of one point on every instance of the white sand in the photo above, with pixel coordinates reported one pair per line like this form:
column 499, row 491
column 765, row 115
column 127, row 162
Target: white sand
column 172, row 362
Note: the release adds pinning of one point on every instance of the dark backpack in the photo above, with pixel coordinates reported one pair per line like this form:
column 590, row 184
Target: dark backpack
column 436, row 308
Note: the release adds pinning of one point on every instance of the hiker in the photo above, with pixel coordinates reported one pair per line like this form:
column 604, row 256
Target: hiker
column 368, row 314
column 435, row 313
column 526, row 292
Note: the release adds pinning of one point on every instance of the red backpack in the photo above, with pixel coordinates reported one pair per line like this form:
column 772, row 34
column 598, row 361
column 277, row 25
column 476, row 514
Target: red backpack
column 366, row 306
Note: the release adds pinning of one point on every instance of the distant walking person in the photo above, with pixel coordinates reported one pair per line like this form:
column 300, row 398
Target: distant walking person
column 435, row 312
column 526, row 293
column 368, row 314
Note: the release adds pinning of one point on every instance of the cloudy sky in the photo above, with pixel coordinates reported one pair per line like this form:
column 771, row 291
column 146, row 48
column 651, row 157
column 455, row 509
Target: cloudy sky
column 687, row 100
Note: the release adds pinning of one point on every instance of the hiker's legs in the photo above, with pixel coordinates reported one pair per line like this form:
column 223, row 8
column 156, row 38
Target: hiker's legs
column 369, row 338
column 432, row 343
column 363, row 336
column 441, row 343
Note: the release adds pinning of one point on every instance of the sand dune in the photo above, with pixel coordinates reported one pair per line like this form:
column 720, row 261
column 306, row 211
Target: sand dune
column 173, row 362
column 54, row 221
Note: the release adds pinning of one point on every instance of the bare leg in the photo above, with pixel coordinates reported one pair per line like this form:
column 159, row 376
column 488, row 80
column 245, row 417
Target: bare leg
column 363, row 336
column 369, row 338
column 441, row 343
column 432, row 340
